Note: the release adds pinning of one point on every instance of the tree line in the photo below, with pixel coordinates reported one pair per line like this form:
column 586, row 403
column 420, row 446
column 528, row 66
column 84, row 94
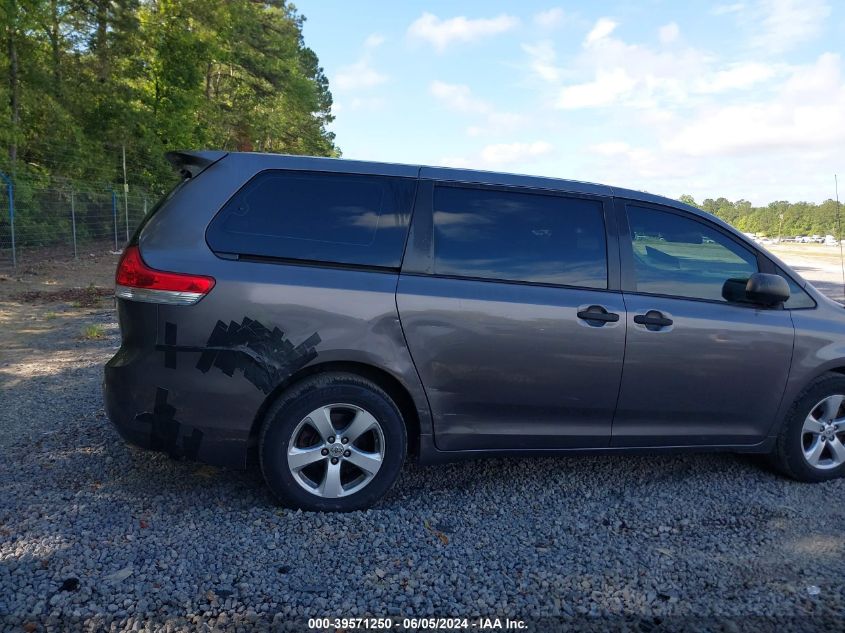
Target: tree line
column 777, row 219
column 89, row 80
column 89, row 84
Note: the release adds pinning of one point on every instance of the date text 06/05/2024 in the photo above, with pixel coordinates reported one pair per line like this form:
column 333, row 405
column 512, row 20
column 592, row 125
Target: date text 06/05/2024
column 415, row 624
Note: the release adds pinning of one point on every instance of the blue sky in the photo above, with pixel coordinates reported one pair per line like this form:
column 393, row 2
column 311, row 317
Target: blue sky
column 743, row 99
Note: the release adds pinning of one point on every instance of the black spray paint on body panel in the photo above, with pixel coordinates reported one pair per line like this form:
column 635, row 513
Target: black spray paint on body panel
column 266, row 357
column 166, row 432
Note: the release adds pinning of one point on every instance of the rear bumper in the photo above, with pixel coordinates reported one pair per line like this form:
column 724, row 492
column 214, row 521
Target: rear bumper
column 150, row 414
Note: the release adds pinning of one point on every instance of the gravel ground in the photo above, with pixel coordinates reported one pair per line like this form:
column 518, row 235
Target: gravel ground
column 96, row 535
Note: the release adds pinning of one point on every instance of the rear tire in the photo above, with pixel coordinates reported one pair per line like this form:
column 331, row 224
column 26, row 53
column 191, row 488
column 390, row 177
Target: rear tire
column 332, row 442
column 811, row 444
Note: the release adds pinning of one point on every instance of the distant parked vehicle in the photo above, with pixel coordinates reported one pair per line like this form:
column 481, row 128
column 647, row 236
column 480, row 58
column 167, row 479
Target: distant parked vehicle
column 830, row 240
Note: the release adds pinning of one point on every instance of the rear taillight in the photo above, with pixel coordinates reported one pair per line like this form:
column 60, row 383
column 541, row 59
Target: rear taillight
column 136, row 281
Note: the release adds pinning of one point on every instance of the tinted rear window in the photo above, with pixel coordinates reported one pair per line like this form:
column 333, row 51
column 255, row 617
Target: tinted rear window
column 518, row 236
column 339, row 218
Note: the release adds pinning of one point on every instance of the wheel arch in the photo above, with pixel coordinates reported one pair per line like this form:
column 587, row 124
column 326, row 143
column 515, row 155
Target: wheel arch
column 796, row 390
column 384, row 379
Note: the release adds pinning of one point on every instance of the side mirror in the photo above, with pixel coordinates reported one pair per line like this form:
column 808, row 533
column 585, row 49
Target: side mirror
column 733, row 290
column 767, row 290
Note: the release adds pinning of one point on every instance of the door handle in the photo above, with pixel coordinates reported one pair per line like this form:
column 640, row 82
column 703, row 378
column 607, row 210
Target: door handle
column 653, row 320
column 598, row 316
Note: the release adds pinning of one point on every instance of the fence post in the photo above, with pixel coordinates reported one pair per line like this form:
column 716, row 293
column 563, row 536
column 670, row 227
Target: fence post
column 126, row 207
column 114, row 216
column 73, row 223
column 11, row 189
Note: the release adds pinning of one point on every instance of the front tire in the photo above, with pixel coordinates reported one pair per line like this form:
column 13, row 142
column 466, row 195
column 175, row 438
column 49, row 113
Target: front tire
column 811, row 444
column 332, row 442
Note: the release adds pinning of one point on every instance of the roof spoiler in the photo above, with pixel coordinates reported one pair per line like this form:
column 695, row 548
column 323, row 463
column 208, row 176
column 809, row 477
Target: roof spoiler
column 192, row 164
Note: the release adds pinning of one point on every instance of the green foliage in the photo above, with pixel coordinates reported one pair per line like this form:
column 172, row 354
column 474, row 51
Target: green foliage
column 784, row 219
column 93, row 332
column 84, row 80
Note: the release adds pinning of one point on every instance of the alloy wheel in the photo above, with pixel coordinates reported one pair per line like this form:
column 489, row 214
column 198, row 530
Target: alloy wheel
column 823, row 434
column 336, row 450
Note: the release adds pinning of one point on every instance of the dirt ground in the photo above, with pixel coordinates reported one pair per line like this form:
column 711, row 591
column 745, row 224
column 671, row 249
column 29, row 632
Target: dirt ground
column 819, row 264
column 51, row 275
column 42, row 297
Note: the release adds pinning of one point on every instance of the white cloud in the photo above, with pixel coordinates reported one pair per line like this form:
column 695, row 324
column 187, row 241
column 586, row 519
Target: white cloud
column 360, row 75
column 459, row 98
column 637, row 75
column 542, row 60
column 684, row 120
column 441, row 33
column 610, row 148
column 549, row 19
column 642, row 161
column 602, row 28
column 785, row 24
column 669, row 33
column 606, row 88
column 805, row 114
column 374, row 41
column 736, row 77
column 782, row 144
column 498, row 155
column 509, row 153
column 497, row 123
column 724, row 9
column 776, row 143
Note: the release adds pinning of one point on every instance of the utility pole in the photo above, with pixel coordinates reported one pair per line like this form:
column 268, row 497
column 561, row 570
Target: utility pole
column 839, row 229
column 14, row 82
column 125, row 194
column 73, row 223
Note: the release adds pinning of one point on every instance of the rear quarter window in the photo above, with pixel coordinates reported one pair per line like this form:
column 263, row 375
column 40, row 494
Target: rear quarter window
column 317, row 216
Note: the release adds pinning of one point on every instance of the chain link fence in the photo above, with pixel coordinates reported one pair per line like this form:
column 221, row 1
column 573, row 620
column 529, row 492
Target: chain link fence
column 39, row 221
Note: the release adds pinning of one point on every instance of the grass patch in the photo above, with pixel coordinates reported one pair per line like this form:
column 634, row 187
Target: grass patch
column 93, row 332
column 49, row 316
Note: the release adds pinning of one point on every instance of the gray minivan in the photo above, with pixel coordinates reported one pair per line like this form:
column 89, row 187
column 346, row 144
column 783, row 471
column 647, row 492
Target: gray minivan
column 330, row 317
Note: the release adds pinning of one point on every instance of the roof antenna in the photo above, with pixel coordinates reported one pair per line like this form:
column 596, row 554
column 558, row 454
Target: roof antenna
column 839, row 230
